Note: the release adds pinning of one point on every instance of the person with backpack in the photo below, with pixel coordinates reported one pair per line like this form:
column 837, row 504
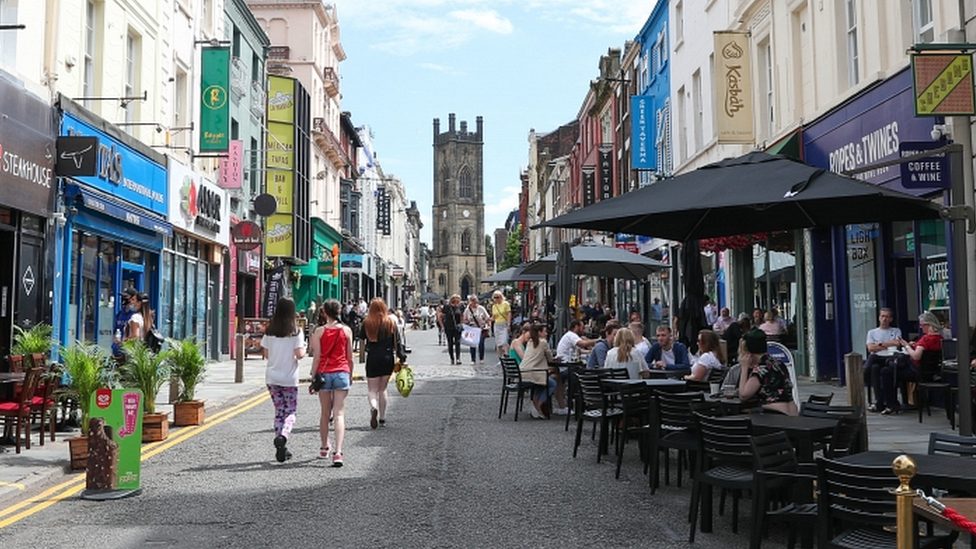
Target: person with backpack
column 450, row 316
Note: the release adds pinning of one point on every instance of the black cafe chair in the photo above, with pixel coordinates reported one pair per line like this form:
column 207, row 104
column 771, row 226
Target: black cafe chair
column 724, row 460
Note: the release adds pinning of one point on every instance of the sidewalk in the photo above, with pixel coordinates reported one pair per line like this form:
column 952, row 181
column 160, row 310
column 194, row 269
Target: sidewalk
column 900, row 433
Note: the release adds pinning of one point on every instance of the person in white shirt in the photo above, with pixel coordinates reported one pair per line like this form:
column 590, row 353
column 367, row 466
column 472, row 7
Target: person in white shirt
column 285, row 345
column 642, row 344
column 711, row 356
column 625, row 355
column 879, row 340
column 572, row 341
column 711, row 311
column 424, row 316
column 724, row 321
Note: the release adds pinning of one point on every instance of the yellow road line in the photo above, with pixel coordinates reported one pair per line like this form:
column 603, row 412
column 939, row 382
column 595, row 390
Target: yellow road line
column 16, row 485
column 77, row 483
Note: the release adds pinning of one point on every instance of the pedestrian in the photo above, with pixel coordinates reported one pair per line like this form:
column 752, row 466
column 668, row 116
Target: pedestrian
column 439, row 315
column 451, row 319
column 128, row 305
column 285, row 346
column 501, row 319
column 382, row 348
column 476, row 315
column 332, row 362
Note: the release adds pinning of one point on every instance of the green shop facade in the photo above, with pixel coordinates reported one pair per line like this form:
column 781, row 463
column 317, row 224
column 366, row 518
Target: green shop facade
column 321, row 279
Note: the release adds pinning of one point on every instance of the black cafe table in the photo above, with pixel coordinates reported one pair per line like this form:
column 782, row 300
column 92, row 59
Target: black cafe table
column 946, row 472
column 803, row 431
column 676, row 385
column 669, row 374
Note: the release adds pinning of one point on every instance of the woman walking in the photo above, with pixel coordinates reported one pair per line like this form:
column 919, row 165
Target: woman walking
column 380, row 335
column 285, row 345
column 476, row 315
column 451, row 319
column 332, row 361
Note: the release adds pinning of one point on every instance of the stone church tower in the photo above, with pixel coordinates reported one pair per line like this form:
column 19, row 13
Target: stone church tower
column 459, row 261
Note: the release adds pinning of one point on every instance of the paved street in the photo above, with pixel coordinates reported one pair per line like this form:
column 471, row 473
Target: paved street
column 445, row 472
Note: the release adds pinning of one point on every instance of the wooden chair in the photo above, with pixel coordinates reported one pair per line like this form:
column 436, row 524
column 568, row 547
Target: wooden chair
column 43, row 405
column 18, row 411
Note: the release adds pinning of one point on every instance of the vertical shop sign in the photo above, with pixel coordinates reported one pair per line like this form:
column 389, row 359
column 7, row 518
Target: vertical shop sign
column 280, row 166
column 275, row 290
column 589, row 186
column 606, row 173
column 936, row 284
column 214, row 107
column 733, row 88
column 383, row 211
column 232, row 167
column 641, row 133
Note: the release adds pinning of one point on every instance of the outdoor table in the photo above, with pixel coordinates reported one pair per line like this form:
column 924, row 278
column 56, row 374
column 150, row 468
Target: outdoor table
column 665, row 384
column 802, row 430
column 964, row 506
column 946, row 472
column 732, row 405
column 664, row 374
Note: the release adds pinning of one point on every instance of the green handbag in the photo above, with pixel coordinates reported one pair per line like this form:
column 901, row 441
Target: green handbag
column 404, row 380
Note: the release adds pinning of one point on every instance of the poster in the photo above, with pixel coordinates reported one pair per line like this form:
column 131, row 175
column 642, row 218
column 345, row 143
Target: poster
column 115, row 440
column 253, row 332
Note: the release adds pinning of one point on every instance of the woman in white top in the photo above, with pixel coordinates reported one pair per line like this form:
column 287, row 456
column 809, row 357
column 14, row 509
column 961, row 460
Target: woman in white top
column 711, row 356
column 625, row 355
column 285, row 345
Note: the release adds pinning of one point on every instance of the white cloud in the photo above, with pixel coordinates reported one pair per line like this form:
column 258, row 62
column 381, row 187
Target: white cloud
column 439, row 68
column 485, row 19
column 501, row 206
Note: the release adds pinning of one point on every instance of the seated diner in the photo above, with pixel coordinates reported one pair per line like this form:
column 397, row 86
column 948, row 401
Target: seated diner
column 764, row 377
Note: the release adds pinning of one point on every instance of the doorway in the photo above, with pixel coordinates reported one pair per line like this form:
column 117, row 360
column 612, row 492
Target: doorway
column 903, row 295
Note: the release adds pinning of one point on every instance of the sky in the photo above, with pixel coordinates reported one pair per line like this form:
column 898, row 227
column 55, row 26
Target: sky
column 520, row 64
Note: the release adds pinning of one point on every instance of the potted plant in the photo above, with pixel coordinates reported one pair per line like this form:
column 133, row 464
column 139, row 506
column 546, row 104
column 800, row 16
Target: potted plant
column 188, row 365
column 84, row 369
column 33, row 340
column 147, row 371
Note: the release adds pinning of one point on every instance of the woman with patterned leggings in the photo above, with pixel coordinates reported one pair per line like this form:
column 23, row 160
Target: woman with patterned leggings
column 285, row 346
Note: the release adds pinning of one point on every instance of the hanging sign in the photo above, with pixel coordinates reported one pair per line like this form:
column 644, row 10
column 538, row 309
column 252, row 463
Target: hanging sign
column 943, row 84
column 214, row 107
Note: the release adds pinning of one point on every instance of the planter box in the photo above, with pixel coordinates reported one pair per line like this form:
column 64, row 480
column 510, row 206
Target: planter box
column 78, row 451
column 155, row 427
column 188, row 413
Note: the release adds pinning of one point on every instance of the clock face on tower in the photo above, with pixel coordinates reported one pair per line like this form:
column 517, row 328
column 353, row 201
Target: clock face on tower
column 466, row 213
column 445, row 214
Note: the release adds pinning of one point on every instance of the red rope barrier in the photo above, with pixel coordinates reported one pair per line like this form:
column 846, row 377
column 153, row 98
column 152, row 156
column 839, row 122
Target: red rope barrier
column 960, row 520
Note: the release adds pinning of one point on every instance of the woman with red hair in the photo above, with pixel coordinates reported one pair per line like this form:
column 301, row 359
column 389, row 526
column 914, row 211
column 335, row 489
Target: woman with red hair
column 379, row 331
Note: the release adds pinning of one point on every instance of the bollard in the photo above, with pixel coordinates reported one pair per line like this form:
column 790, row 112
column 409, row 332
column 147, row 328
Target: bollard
column 854, row 367
column 904, row 467
column 239, row 369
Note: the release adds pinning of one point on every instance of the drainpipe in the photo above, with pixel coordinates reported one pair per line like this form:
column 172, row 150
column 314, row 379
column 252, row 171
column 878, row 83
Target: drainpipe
column 52, row 13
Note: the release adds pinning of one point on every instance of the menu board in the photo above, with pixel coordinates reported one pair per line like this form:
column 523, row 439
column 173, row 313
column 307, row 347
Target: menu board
column 253, row 332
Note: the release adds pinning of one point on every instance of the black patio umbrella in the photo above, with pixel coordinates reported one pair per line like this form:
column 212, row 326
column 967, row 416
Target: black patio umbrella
column 564, row 288
column 513, row 274
column 756, row 192
column 431, row 296
column 691, row 312
column 599, row 260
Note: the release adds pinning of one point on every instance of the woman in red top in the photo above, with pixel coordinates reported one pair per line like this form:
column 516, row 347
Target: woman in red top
column 901, row 368
column 332, row 359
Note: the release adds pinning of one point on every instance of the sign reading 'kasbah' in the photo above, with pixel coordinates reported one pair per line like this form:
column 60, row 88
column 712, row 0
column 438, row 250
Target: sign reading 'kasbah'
column 214, row 106
column 733, row 88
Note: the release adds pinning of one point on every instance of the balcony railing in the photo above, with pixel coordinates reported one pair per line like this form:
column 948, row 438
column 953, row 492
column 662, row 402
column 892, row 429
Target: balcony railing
column 279, row 53
column 331, row 81
column 238, row 77
column 258, row 99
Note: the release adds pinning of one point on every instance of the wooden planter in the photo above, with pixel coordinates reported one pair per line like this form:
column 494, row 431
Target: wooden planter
column 188, row 413
column 78, row 450
column 155, row 427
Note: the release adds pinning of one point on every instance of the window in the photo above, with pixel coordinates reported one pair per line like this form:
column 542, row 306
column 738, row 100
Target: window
column 924, row 27
column 181, row 116
column 660, row 51
column 444, row 246
column 467, row 188
column 679, row 21
column 131, row 74
column 8, row 39
column 853, row 77
column 682, row 126
column 466, row 241
column 88, row 84
column 698, row 109
column 643, row 77
column 766, row 86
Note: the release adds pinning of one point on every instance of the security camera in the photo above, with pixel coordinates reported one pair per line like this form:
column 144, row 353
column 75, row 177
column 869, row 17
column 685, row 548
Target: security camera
column 939, row 131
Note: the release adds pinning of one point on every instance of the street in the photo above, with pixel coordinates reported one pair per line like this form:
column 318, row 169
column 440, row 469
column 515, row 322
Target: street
column 444, row 472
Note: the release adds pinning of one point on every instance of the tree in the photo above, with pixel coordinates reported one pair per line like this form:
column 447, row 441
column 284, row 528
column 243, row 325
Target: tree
column 513, row 249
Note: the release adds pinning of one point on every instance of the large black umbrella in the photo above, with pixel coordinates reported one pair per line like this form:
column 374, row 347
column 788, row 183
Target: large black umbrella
column 564, row 288
column 431, row 296
column 756, row 192
column 599, row 260
column 513, row 274
column 691, row 312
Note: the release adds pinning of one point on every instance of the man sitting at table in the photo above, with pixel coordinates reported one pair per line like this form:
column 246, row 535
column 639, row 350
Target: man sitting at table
column 763, row 377
column 642, row 344
column 879, row 340
column 905, row 366
column 724, row 321
column 666, row 353
column 598, row 356
column 572, row 342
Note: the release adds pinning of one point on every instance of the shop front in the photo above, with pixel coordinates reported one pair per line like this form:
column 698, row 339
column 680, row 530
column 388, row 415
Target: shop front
column 193, row 289
column 115, row 224
column 858, row 269
column 27, row 132
column 321, row 279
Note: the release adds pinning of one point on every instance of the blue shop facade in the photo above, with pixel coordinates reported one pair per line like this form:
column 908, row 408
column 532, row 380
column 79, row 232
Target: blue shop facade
column 858, row 269
column 114, row 231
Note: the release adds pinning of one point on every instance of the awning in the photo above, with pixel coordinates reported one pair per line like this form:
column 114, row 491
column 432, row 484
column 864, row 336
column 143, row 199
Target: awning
column 790, row 145
column 117, row 209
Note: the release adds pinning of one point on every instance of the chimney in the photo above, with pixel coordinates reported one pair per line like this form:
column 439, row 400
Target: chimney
column 464, row 127
column 479, row 122
column 450, row 122
column 437, row 127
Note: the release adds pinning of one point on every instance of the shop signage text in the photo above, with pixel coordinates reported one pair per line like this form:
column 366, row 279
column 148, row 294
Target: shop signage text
column 27, row 150
column 930, row 172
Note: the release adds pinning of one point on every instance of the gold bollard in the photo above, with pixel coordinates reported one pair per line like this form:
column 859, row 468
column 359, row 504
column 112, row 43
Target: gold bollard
column 904, row 468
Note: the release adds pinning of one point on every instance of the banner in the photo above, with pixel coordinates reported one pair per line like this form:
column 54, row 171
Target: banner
column 231, row 174
column 280, row 166
column 274, row 291
column 115, row 440
column 383, row 211
column 641, row 132
column 589, row 186
column 733, row 88
column 606, row 173
column 214, row 107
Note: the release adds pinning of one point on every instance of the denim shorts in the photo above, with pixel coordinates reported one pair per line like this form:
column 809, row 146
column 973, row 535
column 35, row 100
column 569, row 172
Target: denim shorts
column 336, row 381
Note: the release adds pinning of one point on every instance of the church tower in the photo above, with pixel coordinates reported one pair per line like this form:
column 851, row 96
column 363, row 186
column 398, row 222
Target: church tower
column 459, row 261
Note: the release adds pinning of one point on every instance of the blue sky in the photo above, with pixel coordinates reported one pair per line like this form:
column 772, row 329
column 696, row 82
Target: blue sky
column 521, row 64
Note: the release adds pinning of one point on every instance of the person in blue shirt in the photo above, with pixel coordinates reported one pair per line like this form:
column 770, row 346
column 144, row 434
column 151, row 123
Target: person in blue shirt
column 598, row 355
column 666, row 353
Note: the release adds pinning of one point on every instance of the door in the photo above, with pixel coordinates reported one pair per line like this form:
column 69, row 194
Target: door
column 30, row 291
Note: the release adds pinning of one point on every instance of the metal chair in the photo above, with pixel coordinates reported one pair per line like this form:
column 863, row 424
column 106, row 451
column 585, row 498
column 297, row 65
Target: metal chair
column 674, row 428
column 594, row 407
column 724, row 460
column 931, row 377
column 779, row 473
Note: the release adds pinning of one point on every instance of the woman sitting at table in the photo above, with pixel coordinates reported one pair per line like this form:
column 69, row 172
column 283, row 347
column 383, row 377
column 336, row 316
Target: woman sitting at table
column 712, row 356
column 535, row 369
column 763, row 377
column 517, row 349
column 625, row 355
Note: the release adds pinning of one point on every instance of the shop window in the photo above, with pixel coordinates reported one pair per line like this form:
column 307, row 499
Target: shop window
column 6, row 217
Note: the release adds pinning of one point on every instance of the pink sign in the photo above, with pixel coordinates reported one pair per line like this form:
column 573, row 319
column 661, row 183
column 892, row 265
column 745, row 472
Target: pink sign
column 130, row 413
column 232, row 167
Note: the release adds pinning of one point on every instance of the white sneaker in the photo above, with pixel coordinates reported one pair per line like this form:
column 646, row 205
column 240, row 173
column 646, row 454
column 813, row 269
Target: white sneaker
column 562, row 411
column 534, row 413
